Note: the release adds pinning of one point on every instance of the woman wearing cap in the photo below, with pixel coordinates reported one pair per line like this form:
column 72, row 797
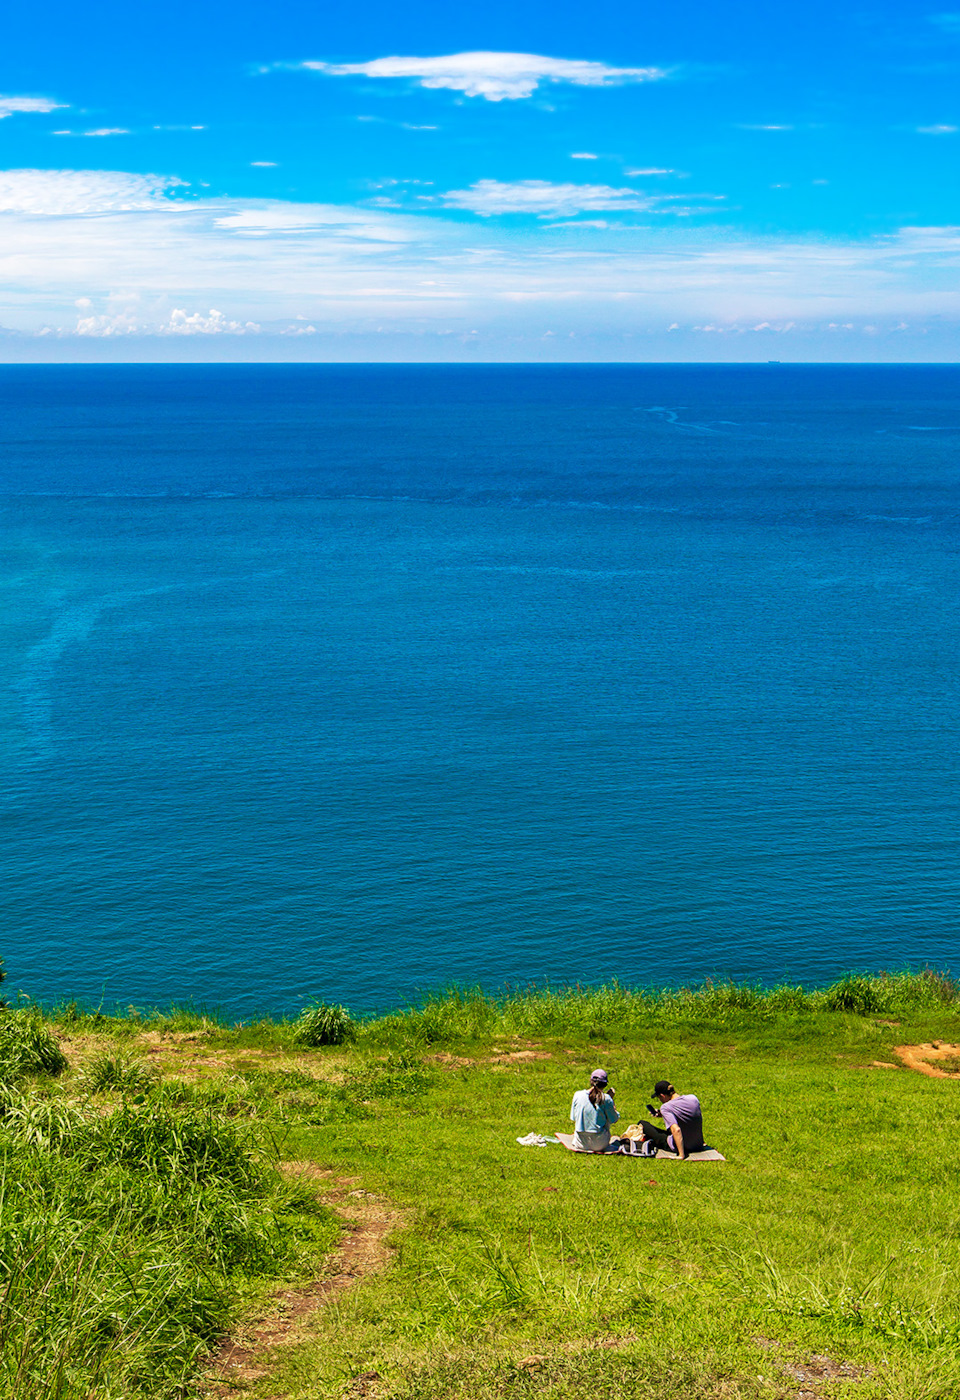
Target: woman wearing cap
column 592, row 1113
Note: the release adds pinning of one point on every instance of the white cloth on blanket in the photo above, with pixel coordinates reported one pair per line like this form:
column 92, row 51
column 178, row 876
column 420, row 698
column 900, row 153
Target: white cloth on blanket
column 533, row 1140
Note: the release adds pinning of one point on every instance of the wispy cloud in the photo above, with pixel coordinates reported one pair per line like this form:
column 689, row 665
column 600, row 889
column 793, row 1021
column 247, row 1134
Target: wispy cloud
column 940, row 130
column 540, row 197
column 9, row 105
column 495, row 76
column 583, row 155
column 649, row 170
column 99, row 131
column 264, row 164
column 763, row 126
column 58, row 192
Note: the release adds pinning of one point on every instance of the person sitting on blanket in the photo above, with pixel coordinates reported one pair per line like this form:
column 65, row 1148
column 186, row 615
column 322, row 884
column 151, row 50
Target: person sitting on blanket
column 681, row 1113
column 591, row 1113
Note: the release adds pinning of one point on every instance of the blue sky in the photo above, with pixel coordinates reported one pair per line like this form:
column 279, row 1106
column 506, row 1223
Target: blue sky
column 496, row 181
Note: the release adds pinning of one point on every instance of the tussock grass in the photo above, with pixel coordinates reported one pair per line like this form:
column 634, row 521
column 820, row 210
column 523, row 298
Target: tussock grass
column 27, row 1046
column 123, row 1073
column 323, row 1024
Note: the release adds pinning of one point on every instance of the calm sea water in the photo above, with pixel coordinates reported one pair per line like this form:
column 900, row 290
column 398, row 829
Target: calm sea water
column 355, row 681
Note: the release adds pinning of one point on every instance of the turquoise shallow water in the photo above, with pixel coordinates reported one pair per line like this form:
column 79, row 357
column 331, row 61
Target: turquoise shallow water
column 353, row 682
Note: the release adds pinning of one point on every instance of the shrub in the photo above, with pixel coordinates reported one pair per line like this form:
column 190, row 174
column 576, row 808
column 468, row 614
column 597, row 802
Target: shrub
column 324, row 1025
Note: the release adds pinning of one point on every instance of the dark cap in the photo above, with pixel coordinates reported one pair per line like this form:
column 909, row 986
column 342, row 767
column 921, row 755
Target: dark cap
column 662, row 1088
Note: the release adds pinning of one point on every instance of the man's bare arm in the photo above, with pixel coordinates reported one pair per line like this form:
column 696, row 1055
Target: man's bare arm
column 677, row 1136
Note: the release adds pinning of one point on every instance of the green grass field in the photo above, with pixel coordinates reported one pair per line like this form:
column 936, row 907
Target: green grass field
column 145, row 1213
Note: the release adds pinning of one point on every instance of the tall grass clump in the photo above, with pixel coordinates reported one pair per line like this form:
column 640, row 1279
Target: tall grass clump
column 27, row 1045
column 124, row 1074
column 322, row 1024
column 889, row 994
column 126, row 1243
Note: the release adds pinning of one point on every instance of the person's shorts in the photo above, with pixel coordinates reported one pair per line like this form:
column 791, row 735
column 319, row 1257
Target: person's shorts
column 591, row 1142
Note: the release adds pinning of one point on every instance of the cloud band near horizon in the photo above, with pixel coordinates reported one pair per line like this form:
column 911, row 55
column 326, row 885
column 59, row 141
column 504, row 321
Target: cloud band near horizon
column 110, row 253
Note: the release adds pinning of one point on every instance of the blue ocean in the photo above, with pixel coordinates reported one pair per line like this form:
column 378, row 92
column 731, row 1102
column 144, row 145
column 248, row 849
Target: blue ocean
column 358, row 681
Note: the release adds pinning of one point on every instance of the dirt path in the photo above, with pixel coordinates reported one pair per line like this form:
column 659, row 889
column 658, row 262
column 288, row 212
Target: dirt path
column 923, row 1058
column 362, row 1251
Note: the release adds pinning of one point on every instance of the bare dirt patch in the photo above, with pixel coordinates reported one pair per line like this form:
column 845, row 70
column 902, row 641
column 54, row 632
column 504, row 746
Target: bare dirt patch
column 936, row 1059
column 450, row 1062
column 808, row 1370
column 512, row 1057
column 819, row 1368
column 362, row 1251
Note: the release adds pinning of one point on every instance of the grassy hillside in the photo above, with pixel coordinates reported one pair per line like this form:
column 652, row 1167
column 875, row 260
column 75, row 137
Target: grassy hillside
column 147, row 1210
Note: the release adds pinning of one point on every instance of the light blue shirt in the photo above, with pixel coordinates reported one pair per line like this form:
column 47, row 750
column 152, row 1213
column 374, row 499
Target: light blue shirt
column 589, row 1118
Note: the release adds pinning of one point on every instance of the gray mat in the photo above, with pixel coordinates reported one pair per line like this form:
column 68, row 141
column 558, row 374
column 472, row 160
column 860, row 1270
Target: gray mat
column 710, row 1154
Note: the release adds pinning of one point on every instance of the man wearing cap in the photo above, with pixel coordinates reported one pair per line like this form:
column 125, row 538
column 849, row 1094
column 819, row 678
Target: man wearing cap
column 592, row 1113
column 681, row 1114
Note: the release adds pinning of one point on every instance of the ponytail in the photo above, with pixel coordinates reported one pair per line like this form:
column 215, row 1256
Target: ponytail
column 597, row 1092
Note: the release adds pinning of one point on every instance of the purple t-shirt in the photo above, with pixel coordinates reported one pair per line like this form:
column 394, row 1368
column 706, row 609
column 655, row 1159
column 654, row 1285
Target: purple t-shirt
column 683, row 1112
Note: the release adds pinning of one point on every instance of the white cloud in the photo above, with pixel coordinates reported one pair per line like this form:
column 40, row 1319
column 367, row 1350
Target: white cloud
column 107, row 131
column 264, row 164
column 9, row 105
column 47, row 192
column 582, row 155
column 179, row 322
column 111, row 255
column 120, row 323
column 767, row 126
column 494, row 76
column 540, row 197
column 941, row 130
column 276, row 218
column 649, row 170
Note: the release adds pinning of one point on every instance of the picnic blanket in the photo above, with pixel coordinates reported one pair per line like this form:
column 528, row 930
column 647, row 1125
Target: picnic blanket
column 709, row 1154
